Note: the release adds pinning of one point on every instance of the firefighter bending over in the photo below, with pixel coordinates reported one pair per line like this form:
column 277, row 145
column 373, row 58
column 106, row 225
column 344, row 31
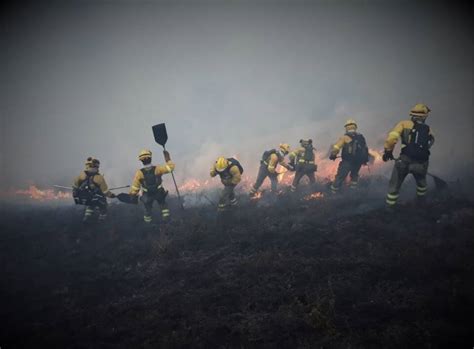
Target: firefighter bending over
column 270, row 160
column 417, row 140
column 354, row 154
column 230, row 171
column 148, row 178
column 90, row 189
column 302, row 160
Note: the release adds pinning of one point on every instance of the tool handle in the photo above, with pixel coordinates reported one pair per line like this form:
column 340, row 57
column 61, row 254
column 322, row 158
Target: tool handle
column 62, row 187
column 176, row 186
column 125, row 186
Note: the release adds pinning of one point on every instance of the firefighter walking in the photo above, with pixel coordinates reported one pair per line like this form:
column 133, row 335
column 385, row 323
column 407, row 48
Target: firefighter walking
column 354, row 154
column 90, row 189
column 270, row 160
column 302, row 160
column 149, row 179
column 417, row 139
column 230, row 172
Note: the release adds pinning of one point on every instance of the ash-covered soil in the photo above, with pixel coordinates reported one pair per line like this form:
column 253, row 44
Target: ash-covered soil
column 337, row 272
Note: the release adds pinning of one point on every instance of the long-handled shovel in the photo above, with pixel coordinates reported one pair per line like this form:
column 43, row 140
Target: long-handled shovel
column 123, row 197
column 161, row 137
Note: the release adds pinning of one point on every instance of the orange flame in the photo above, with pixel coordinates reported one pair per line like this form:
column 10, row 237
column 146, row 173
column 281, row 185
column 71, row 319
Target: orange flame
column 375, row 155
column 256, row 196
column 43, row 195
column 317, row 195
column 326, row 170
column 192, row 185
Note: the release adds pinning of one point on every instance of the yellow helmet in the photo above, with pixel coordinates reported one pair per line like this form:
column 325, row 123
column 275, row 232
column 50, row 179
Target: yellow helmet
column 92, row 163
column 144, row 154
column 221, row 164
column 285, row 148
column 350, row 122
column 420, row 110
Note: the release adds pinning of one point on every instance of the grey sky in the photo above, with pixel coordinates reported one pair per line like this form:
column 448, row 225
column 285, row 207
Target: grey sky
column 91, row 78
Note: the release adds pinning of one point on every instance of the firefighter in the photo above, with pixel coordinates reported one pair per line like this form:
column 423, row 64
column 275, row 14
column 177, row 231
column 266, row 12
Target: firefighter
column 230, row 171
column 417, row 139
column 149, row 179
column 354, row 154
column 268, row 163
column 302, row 160
column 90, row 189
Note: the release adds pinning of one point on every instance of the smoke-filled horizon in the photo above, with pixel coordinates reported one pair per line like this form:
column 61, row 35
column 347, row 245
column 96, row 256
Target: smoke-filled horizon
column 90, row 79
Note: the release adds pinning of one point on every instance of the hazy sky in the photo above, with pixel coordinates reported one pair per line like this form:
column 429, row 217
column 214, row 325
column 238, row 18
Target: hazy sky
column 91, row 78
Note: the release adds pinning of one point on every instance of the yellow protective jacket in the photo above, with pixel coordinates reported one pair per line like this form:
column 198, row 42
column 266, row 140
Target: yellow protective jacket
column 98, row 179
column 230, row 176
column 273, row 161
column 341, row 142
column 138, row 180
column 401, row 130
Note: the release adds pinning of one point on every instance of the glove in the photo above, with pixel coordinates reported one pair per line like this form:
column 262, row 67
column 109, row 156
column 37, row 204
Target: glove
column 333, row 157
column 75, row 193
column 291, row 167
column 166, row 155
column 387, row 155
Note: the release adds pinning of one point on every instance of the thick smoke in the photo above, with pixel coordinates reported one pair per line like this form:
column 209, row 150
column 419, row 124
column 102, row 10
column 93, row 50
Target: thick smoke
column 235, row 79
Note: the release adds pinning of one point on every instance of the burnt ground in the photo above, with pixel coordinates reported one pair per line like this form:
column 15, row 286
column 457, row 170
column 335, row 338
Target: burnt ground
column 340, row 272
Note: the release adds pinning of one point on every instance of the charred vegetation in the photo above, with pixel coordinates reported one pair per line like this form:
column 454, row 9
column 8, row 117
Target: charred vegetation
column 292, row 271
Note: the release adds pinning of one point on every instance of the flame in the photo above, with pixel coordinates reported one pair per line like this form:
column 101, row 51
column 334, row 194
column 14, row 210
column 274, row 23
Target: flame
column 43, row 195
column 313, row 196
column 376, row 156
column 257, row 196
column 192, row 185
column 326, row 170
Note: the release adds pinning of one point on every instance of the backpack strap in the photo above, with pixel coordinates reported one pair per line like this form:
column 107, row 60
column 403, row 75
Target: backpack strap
column 148, row 173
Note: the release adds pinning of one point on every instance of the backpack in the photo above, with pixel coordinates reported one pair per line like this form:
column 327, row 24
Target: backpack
column 235, row 162
column 418, row 142
column 232, row 162
column 266, row 154
column 151, row 182
column 88, row 191
column 305, row 160
column 308, row 154
column 356, row 150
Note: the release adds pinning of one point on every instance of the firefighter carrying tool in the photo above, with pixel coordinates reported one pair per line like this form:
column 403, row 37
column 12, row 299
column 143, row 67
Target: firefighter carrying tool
column 417, row 140
column 302, row 160
column 161, row 137
column 268, row 163
column 90, row 189
column 230, row 171
column 148, row 178
column 354, row 154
